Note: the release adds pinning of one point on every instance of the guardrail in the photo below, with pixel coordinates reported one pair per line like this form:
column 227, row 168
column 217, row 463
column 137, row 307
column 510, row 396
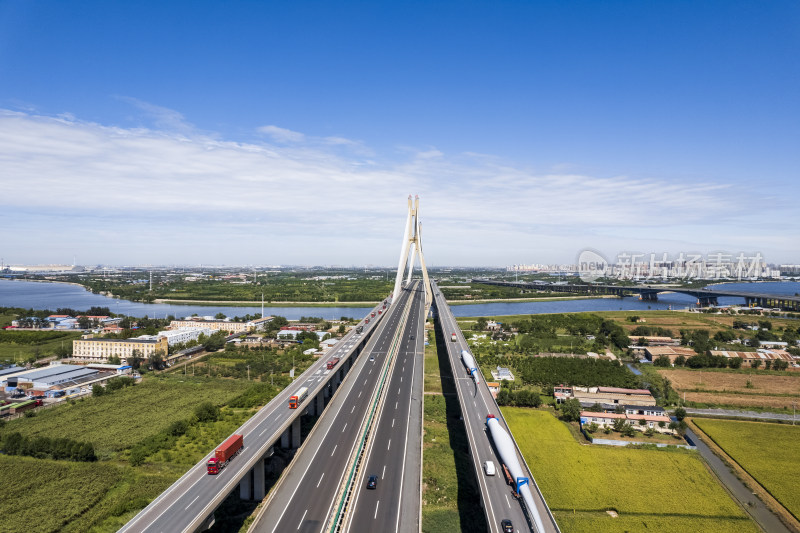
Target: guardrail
column 337, row 520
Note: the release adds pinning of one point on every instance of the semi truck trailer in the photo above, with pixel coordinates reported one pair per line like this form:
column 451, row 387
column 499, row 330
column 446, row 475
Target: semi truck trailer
column 224, row 453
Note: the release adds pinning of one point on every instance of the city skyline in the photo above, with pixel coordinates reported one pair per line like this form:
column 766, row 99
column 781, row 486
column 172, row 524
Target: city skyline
column 293, row 134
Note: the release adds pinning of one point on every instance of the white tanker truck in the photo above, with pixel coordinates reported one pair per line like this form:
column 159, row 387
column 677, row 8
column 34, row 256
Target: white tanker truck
column 508, row 455
column 472, row 368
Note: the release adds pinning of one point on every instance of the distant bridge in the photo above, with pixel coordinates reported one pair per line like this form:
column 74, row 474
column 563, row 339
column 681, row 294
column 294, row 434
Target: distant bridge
column 705, row 297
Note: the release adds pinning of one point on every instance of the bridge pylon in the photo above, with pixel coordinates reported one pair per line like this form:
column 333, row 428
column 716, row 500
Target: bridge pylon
column 412, row 242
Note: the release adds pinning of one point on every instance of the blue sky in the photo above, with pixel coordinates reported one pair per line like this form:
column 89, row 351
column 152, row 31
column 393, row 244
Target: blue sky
column 291, row 132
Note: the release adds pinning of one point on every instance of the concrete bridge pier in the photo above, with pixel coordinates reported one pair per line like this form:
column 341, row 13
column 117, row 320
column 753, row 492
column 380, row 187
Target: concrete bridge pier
column 246, row 486
column 319, row 403
column 296, row 433
column 649, row 296
column 705, row 301
column 285, row 439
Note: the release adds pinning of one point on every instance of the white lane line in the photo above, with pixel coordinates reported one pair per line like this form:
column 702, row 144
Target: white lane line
column 265, row 430
column 301, row 520
column 334, row 450
column 401, row 379
column 508, row 502
column 353, row 409
column 392, row 422
column 382, row 473
column 359, row 394
column 320, row 479
column 395, row 405
column 388, row 446
column 345, row 427
column 376, row 510
column 187, row 507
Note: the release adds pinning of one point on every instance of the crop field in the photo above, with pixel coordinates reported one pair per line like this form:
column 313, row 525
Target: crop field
column 652, row 490
column 9, row 349
column 768, row 452
column 120, row 419
column 755, row 389
column 44, row 496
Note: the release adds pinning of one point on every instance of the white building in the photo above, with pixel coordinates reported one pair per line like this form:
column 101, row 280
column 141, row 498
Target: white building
column 184, row 335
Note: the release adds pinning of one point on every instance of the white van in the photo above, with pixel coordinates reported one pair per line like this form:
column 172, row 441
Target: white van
column 488, row 467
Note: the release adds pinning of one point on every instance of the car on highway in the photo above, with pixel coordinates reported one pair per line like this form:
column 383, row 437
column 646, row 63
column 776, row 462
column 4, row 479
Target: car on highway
column 372, row 482
column 411, row 337
column 371, row 357
column 506, row 526
column 489, row 468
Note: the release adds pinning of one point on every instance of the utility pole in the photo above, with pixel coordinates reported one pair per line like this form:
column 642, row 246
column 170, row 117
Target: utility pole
column 248, row 372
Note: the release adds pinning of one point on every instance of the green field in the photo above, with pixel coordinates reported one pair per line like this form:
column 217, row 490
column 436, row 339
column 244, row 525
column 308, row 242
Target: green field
column 13, row 350
column 768, row 452
column 652, row 490
column 118, row 420
column 44, row 496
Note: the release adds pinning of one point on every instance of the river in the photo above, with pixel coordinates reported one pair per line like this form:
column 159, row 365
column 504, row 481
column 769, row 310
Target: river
column 39, row 295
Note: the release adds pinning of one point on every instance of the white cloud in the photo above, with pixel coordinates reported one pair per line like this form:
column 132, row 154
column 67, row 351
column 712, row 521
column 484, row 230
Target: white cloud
column 170, row 197
column 282, row 134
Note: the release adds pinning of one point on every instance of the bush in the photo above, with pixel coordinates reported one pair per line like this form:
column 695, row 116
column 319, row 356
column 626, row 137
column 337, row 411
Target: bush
column 680, row 413
column 206, row 412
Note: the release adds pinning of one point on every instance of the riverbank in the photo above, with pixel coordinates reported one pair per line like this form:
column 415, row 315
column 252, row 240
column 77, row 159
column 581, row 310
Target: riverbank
column 245, row 303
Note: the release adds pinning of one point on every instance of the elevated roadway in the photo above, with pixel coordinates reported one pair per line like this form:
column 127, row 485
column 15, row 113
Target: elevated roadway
column 188, row 504
column 309, row 495
column 498, row 497
column 394, row 454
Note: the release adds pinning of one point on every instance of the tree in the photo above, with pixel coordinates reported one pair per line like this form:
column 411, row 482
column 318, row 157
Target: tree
column 98, row 390
column 341, row 329
column 571, row 410
column 504, row 397
column 680, row 413
column 662, row 360
column 206, row 412
column 84, row 322
column 735, row 362
column 480, row 324
column 767, row 364
column 220, row 316
column 755, row 363
column 680, row 360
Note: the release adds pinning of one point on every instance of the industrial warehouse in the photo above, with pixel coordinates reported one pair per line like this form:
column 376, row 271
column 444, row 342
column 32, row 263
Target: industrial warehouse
column 57, row 379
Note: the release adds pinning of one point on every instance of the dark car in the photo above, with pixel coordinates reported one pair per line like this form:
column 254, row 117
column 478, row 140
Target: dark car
column 506, row 526
column 372, row 483
column 411, row 337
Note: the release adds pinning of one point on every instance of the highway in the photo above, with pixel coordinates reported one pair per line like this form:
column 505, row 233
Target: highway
column 186, row 504
column 476, row 401
column 307, row 495
column 395, row 451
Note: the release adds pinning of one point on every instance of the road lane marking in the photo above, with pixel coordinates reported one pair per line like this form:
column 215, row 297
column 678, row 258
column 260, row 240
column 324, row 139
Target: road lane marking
column 395, row 405
column 388, row 446
column 345, row 427
column 359, row 394
column 265, row 430
column 382, row 473
column 508, row 502
column 320, row 479
column 392, row 422
column 187, row 507
column 334, row 450
column 376, row 511
column 353, row 409
column 301, row 520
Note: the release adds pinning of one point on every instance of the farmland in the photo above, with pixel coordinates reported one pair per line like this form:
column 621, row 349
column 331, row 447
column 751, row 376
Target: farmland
column 70, row 497
column 656, row 490
column 768, row 452
column 763, row 389
column 118, row 420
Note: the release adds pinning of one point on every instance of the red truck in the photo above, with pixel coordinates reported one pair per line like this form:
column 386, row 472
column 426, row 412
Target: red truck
column 226, row 451
column 332, row 363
